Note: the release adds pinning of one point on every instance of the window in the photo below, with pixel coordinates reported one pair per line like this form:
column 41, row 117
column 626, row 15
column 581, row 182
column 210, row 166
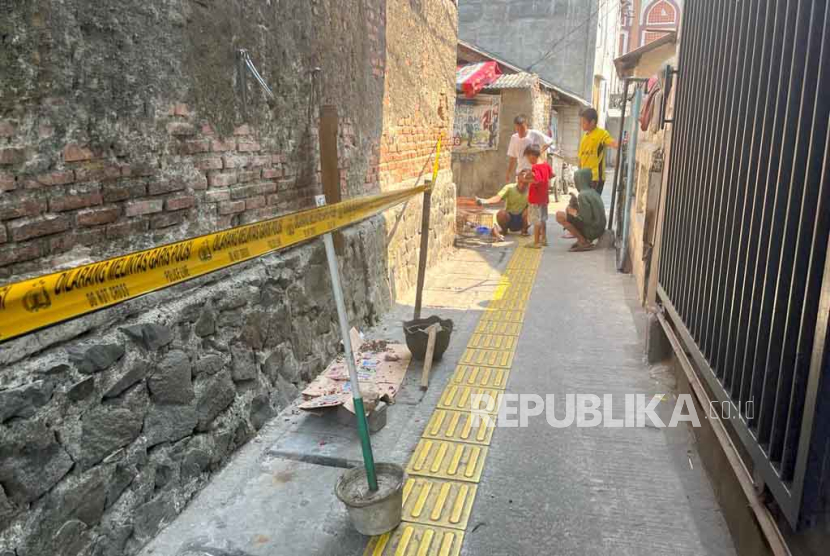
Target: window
column 623, row 44
column 661, row 13
column 651, row 36
column 553, row 130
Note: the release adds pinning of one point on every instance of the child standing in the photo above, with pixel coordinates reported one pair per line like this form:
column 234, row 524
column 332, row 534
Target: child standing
column 538, row 195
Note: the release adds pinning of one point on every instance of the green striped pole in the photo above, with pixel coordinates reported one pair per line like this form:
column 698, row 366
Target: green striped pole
column 360, row 412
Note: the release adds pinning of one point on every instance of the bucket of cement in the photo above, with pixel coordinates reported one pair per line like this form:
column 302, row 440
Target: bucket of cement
column 416, row 335
column 378, row 512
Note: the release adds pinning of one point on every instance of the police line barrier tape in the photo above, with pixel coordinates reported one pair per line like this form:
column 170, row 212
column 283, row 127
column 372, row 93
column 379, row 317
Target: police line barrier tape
column 32, row 304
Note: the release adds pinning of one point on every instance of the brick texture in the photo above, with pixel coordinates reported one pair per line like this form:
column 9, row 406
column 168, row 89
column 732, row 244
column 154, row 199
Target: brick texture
column 75, row 153
column 7, row 182
column 13, row 208
column 98, row 216
column 27, row 228
column 144, row 206
column 179, row 203
column 74, row 201
column 11, row 156
column 104, row 196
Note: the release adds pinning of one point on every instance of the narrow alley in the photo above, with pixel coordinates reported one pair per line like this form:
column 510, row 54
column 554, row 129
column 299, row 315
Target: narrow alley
column 536, row 489
column 415, row 278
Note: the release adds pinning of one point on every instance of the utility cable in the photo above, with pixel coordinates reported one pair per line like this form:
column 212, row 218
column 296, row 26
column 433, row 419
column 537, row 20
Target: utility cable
column 602, row 4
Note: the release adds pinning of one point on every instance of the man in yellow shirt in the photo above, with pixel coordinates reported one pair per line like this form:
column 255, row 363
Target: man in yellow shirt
column 513, row 217
column 592, row 148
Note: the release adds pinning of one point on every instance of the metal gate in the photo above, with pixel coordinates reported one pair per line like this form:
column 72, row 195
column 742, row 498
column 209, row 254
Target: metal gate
column 744, row 273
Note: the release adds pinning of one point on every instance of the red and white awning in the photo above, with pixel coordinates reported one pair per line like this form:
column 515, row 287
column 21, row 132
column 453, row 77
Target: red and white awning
column 472, row 78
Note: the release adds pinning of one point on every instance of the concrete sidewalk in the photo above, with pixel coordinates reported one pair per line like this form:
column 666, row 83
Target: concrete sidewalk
column 571, row 491
column 598, row 491
column 277, row 496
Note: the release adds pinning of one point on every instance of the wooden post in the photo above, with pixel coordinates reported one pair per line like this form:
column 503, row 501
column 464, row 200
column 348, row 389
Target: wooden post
column 329, row 166
column 432, row 330
column 424, row 250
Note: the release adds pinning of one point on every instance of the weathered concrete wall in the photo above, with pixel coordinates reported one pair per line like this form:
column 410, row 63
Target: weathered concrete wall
column 522, row 31
column 570, row 131
column 121, row 128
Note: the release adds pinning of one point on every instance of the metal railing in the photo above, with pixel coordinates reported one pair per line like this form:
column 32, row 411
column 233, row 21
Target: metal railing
column 744, row 274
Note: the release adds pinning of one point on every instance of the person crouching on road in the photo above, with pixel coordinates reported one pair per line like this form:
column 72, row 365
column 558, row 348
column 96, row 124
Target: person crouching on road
column 538, row 195
column 513, row 217
column 586, row 222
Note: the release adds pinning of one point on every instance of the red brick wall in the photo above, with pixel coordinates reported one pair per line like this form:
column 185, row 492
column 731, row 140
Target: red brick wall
column 110, row 201
column 406, row 148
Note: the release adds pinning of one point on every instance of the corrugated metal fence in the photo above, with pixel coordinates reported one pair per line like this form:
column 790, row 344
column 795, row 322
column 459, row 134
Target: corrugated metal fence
column 744, row 272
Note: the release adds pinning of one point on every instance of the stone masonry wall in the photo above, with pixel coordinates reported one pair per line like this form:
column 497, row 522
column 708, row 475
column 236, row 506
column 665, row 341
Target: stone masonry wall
column 108, row 433
column 121, row 127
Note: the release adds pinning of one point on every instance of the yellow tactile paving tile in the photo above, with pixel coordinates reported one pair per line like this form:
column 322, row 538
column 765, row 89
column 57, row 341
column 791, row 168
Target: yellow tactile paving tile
column 495, row 327
column 518, row 275
column 412, row 539
column 513, row 294
column 470, row 398
column 504, row 315
column 507, row 304
column 460, row 426
column 502, row 358
column 528, row 265
column 483, row 377
column 450, row 456
column 492, row 341
column 439, row 503
column 447, row 460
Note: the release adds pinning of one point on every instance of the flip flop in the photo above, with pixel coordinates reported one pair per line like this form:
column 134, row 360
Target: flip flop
column 577, row 248
column 568, row 236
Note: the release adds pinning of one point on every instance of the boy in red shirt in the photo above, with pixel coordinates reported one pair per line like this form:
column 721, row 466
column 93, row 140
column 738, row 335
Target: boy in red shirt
column 538, row 195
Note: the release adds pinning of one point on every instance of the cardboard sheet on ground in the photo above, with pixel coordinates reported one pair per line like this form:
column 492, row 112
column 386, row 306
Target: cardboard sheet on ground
column 380, row 379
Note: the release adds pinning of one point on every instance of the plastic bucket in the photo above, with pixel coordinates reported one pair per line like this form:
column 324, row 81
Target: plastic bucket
column 382, row 511
column 415, row 332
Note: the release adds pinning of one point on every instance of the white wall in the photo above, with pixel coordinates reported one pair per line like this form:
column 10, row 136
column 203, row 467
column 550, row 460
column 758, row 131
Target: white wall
column 608, row 30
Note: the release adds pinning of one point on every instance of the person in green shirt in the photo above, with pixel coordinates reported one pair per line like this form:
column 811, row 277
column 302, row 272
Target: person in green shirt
column 513, row 217
column 586, row 221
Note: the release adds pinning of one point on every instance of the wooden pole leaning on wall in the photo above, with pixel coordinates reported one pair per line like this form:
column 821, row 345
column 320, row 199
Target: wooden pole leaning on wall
column 423, row 252
column 329, row 166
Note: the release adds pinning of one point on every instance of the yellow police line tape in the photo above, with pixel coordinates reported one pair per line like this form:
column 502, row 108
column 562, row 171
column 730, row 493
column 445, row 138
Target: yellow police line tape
column 32, row 304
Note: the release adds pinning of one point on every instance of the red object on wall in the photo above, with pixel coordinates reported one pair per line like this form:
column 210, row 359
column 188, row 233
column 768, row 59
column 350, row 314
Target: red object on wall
column 472, row 78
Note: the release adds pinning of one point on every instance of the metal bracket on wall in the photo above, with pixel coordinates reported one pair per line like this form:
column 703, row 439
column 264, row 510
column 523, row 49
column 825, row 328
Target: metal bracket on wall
column 668, row 81
column 244, row 66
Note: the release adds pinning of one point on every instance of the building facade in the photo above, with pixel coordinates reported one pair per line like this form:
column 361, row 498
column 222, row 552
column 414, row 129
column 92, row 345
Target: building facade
column 570, row 43
column 644, row 21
